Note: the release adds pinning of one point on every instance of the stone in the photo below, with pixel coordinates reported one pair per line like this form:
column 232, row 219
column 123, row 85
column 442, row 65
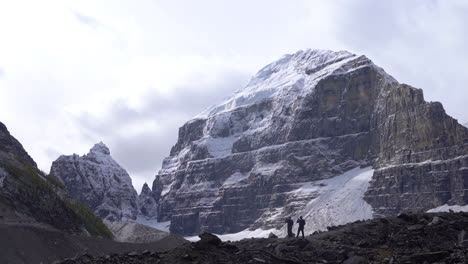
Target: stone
column 415, row 227
column 208, row 238
column 271, row 235
column 435, row 220
column 356, row 260
column 429, row 256
column 133, row 254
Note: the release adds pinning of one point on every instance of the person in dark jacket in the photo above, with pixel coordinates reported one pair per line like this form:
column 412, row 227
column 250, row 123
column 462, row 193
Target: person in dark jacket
column 301, row 223
column 290, row 223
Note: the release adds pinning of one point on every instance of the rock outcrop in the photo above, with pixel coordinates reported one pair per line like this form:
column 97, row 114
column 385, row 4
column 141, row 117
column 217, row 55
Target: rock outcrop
column 147, row 205
column 303, row 119
column 99, row 182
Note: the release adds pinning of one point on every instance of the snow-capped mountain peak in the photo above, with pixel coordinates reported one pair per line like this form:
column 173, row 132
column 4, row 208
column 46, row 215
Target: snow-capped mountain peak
column 293, row 75
column 100, row 148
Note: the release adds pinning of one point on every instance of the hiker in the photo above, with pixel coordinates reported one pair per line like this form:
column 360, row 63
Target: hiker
column 301, row 223
column 290, row 223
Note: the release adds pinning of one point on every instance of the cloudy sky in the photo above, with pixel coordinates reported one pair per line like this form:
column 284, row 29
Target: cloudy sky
column 129, row 73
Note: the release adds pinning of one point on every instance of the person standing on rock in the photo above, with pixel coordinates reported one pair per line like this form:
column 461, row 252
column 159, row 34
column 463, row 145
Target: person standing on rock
column 301, row 223
column 290, row 223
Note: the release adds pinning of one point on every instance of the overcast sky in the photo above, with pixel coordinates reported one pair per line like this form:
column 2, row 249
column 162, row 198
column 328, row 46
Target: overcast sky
column 129, row 73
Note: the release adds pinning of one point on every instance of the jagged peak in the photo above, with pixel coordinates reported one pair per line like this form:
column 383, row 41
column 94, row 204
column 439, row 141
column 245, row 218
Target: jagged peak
column 145, row 189
column 100, row 148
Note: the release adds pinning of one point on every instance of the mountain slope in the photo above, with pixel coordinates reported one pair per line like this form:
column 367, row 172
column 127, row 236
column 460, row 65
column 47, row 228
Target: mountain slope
column 305, row 118
column 30, row 198
column 99, row 182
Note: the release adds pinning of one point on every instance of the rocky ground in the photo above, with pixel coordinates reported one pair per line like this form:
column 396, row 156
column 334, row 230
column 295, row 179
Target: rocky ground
column 25, row 243
column 408, row 238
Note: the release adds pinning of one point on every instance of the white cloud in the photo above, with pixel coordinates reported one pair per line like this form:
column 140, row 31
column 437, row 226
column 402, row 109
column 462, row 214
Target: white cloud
column 130, row 73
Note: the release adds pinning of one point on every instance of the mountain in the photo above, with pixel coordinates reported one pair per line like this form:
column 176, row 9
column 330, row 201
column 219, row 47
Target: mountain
column 147, row 205
column 31, row 199
column 99, row 182
column 323, row 134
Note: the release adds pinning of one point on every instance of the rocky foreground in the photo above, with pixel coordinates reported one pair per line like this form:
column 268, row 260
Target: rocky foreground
column 408, row 238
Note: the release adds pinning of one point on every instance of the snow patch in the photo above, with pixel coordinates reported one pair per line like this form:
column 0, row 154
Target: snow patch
column 235, row 178
column 167, row 189
column 220, row 147
column 258, row 233
column 340, row 200
column 446, row 208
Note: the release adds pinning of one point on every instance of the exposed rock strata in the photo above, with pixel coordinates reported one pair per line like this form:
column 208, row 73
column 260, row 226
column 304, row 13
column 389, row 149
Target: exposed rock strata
column 309, row 116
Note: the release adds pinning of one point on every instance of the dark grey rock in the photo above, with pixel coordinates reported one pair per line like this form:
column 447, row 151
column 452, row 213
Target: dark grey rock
column 356, row 260
column 271, row 235
column 208, row 238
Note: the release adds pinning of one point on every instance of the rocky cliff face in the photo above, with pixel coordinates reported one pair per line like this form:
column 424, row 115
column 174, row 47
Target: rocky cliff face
column 422, row 158
column 147, row 205
column 99, row 182
column 270, row 150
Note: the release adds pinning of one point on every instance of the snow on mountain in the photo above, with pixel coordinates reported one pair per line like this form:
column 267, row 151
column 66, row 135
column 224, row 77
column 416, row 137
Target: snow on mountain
column 447, row 208
column 98, row 181
column 291, row 76
column 341, row 200
column 311, row 117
